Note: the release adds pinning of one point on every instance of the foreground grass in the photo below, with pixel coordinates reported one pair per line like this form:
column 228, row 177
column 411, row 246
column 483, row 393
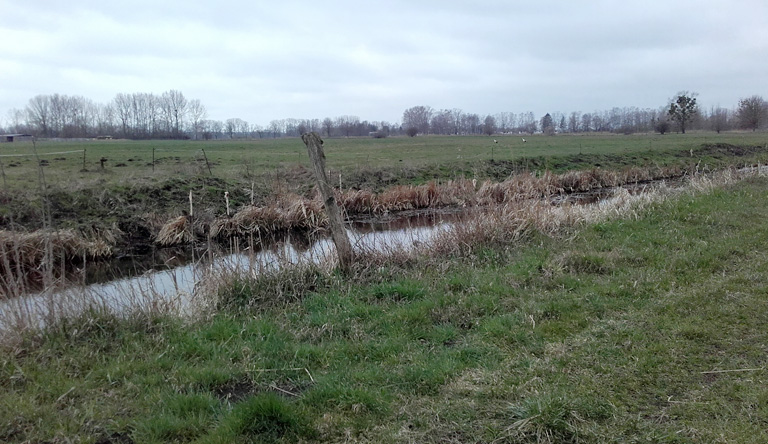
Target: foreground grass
column 646, row 330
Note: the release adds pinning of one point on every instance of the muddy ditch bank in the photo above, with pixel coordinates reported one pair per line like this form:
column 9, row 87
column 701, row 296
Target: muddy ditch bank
column 177, row 269
column 140, row 207
column 175, row 277
column 131, row 222
column 36, row 261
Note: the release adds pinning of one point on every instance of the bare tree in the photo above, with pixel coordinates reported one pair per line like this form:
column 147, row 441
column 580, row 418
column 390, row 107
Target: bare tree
column 197, row 114
column 230, row 127
column 752, row 112
column 105, row 120
column 457, row 115
column 39, row 114
column 258, row 130
column 215, row 128
column 718, row 119
column 470, row 124
column 123, row 108
column 586, row 122
column 16, row 121
column 573, row 122
column 144, row 110
column 441, row 122
column 418, row 117
column 527, row 122
column 328, row 126
column 276, row 127
column 175, row 110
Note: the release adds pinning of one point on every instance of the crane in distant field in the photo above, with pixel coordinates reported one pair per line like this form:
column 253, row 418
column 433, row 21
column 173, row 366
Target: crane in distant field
column 523, row 139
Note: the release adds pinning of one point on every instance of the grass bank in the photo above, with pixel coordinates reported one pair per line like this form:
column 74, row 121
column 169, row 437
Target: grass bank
column 130, row 199
column 640, row 329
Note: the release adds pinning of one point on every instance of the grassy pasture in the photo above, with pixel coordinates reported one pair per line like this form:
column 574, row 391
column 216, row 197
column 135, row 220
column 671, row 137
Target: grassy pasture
column 239, row 160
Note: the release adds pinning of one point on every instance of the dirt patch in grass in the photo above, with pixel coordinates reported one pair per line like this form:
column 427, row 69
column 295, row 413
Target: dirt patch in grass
column 235, row 391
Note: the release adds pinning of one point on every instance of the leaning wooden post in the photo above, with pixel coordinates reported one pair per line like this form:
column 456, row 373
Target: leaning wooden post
column 338, row 233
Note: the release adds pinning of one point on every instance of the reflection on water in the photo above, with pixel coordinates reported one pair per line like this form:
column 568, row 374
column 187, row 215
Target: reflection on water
column 292, row 244
column 170, row 276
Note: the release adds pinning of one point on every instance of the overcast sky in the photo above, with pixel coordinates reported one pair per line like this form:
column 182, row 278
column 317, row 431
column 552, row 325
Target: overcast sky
column 262, row 60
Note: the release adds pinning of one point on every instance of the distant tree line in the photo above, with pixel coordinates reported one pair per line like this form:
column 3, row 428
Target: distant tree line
column 136, row 116
column 680, row 114
column 170, row 115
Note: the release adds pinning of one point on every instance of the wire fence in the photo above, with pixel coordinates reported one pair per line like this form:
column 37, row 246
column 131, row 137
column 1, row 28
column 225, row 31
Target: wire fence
column 41, row 154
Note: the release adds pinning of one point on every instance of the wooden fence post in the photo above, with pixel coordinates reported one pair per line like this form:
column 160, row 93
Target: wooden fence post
column 206, row 162
column 338, row 233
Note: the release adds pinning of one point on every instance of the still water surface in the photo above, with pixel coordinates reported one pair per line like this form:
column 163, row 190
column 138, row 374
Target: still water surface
column 170, row 278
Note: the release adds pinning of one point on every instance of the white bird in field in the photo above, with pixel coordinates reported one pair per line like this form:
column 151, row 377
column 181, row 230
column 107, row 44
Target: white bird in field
column 524, row 140
column 495, row 141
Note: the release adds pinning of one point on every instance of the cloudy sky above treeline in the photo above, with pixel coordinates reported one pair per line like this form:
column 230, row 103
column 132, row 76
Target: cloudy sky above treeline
column 262, row 60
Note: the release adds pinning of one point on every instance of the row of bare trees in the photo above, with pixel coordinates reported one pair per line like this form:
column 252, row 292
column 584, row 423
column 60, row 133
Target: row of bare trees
column 166, row 116
column 342, row 126
column 137, row 116
column 682, row 113
column 171, row 115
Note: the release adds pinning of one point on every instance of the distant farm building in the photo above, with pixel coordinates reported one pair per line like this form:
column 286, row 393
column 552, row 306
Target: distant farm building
column 15, row 137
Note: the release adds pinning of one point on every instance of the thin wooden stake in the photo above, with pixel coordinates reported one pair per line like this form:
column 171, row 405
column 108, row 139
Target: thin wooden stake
column 2, row 170
column 338, row 233
column 206, row 162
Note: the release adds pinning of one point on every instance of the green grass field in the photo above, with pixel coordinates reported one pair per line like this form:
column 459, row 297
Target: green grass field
column 238, row 160
column 650, row 329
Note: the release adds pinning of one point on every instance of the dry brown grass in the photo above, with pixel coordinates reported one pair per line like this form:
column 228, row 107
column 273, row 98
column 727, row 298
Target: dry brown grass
column 507, row 224
column 288, row 211
column 28, row 248
column 35, row 258
column 177, row 231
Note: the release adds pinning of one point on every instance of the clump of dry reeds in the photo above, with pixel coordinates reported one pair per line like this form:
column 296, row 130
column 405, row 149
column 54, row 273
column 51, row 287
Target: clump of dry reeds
column 408, row 197
column 288, row 212
column 29, row 248
column 32, row 258
column 177, row 231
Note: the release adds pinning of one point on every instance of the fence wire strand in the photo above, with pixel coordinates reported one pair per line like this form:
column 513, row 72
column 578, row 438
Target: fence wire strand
column 41, row 154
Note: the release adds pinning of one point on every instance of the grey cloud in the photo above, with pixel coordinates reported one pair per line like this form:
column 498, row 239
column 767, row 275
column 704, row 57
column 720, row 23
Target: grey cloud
column 262, row 61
